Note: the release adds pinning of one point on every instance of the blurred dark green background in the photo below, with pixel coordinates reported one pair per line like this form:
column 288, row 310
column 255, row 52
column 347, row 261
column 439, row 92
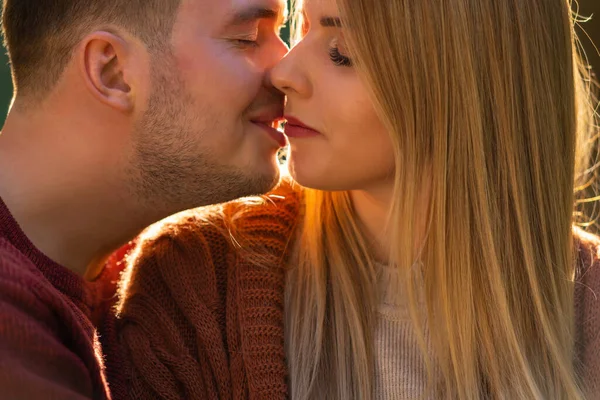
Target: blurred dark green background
column 586, row 8
column 5, row 86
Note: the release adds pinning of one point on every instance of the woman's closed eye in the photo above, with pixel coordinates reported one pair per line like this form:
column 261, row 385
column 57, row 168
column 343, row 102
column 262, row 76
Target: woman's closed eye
column 338, row 58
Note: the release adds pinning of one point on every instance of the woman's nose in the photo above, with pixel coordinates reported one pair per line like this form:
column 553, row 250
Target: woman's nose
column 289, row 74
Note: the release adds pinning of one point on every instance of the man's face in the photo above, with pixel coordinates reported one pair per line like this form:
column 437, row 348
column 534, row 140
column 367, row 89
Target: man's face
column 206, row 134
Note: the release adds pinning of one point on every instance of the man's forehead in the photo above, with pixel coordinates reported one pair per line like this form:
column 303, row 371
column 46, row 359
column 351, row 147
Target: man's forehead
column 218, row 14
column 226, row 9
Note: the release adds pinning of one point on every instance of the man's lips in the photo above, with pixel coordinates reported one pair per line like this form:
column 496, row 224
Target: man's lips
column 297, row 129
column 270, row 126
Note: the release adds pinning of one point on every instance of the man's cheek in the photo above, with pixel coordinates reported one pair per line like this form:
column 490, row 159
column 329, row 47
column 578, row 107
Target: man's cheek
column 240, row 73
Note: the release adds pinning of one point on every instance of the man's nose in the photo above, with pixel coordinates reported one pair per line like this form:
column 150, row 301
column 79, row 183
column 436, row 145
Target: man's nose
column 280, row 49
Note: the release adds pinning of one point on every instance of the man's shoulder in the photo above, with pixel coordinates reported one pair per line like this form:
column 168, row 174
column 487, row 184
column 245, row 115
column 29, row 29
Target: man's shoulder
column 16, row 269
column 25, row 289
column 33, row 357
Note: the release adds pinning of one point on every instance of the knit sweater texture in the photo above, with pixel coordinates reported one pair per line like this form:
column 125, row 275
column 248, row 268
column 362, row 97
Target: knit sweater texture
column 201, row 321
column 55, row 328
column 400, row 371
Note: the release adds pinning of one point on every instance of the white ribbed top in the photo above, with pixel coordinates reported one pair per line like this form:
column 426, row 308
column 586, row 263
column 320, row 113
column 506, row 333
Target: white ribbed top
column 400, row 370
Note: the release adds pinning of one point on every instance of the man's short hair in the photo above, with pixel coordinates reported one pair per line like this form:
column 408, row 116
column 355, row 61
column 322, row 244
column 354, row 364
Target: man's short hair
column 40, row 35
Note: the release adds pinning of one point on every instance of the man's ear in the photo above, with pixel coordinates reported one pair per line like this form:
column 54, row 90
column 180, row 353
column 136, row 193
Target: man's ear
column 105, row 61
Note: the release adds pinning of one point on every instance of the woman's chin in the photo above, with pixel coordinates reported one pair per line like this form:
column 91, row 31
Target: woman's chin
column 306, row 176
column 310, row 177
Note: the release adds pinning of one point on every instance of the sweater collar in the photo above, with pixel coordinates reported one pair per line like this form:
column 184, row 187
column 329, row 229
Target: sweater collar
column 63, row 279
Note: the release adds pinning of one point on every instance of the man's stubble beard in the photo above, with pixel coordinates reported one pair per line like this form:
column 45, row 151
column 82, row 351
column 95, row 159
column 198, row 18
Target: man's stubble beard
column 169, row 174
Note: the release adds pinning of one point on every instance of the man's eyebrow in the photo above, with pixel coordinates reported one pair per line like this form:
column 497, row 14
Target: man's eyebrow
column 331, row 22
column 252, row 14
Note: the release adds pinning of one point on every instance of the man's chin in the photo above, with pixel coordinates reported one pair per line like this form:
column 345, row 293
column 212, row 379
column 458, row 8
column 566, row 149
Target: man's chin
column 243, row 184
column 261, row 184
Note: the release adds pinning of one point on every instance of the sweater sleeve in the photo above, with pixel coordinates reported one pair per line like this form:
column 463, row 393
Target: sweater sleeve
column 172, row 313
column 34, row 363
column 587, row 312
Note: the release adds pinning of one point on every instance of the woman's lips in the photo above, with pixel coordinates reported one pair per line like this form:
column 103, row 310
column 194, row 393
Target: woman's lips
column 295, row 128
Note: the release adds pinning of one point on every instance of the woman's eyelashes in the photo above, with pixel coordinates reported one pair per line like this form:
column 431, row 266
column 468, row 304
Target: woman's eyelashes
column 338, row 59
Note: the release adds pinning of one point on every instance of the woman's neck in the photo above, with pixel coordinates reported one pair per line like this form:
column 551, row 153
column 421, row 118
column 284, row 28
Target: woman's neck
column 372, row 208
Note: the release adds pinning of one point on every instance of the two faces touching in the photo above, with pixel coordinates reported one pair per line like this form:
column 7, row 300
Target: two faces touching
column 208, row 103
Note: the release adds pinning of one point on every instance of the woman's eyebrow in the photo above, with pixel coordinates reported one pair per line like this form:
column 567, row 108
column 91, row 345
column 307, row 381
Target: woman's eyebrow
column 331, row 22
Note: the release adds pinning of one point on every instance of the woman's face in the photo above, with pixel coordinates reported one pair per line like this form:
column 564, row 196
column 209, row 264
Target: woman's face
column 343, row 144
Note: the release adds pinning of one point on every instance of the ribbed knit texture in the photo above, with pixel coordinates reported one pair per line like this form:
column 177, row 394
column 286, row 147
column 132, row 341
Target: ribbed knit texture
column 587, row 312
column 400, row 370
column 202, row 322
column 55, row 328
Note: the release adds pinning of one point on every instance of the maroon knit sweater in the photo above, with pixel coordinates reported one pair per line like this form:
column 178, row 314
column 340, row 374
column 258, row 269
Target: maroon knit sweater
column 54, row 326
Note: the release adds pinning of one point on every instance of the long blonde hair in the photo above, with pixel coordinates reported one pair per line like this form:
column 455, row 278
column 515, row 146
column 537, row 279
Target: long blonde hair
column 487, row 100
